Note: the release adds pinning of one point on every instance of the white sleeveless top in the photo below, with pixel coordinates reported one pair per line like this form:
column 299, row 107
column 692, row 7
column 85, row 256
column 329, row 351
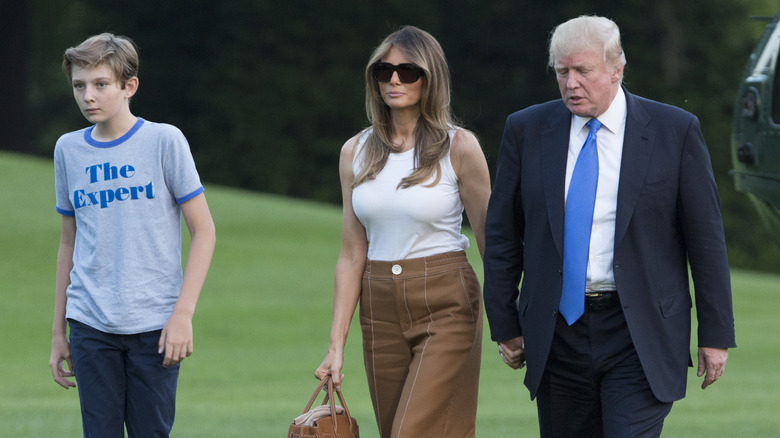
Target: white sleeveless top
column 418, row 221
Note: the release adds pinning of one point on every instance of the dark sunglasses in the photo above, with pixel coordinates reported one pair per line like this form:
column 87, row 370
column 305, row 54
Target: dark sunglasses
column 407, row 73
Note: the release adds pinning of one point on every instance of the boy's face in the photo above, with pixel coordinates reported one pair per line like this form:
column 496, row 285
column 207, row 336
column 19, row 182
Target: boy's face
column 99, row 93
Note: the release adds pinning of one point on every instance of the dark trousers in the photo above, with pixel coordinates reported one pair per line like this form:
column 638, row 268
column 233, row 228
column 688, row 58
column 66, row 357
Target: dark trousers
column 594, row 385
column 121, row 382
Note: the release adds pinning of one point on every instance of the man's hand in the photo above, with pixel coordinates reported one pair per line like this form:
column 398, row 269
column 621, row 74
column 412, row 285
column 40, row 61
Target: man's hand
column 512, row 351
column 712, row 363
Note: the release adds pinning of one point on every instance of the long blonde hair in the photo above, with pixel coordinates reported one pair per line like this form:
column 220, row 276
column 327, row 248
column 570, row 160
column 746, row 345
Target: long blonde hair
column 431, row 136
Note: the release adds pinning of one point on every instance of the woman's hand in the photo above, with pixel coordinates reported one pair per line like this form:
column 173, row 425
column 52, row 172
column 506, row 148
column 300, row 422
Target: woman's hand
column 331, row 366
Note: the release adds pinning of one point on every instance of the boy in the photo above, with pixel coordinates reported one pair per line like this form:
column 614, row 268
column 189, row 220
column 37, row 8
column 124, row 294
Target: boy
column 122, row 186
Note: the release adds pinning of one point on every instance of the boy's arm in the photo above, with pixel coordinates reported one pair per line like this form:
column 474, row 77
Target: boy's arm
column 60, row 347
column 176, row 338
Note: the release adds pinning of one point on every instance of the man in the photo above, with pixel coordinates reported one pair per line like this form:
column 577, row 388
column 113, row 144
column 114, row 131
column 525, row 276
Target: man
column 604, row 315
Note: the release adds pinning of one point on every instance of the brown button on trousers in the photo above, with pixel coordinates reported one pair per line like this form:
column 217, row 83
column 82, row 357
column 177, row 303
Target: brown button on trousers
column 422, row 342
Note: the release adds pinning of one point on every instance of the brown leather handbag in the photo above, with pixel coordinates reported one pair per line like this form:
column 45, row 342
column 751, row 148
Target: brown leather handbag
column 326, row 420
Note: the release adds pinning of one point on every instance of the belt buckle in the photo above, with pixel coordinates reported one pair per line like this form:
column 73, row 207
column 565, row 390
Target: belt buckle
column 595, row 301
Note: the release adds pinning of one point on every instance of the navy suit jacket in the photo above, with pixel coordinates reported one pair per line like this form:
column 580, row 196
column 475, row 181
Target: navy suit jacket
column 668, row 217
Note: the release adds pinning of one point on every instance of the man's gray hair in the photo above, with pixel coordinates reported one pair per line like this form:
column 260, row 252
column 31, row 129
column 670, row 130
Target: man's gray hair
column 588, row 33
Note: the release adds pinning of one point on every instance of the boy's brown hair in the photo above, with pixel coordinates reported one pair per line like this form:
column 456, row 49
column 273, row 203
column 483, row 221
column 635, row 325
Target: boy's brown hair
column 117, row 52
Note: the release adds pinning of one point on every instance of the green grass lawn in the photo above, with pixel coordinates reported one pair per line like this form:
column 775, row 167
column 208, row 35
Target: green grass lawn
column 263, row 321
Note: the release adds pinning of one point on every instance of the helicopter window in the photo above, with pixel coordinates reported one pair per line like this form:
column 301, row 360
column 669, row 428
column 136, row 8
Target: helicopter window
column 775, row 45
column 776, row 93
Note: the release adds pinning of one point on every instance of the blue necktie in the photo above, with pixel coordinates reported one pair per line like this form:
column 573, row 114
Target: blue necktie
column 578, row 221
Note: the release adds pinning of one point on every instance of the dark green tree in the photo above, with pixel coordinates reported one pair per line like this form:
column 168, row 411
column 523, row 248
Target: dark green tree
column 267, row 92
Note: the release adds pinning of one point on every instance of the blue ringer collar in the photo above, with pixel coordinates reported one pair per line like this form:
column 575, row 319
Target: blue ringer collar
column 109, row 144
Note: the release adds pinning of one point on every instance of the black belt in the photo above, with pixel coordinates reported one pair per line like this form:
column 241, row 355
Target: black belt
column 595, row 301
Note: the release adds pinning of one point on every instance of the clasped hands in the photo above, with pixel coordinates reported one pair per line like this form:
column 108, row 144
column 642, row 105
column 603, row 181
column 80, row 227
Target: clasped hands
column 512, row 352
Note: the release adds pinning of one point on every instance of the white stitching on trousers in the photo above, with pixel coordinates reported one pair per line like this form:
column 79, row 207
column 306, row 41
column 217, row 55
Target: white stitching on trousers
column 422, row 353
column 373, row 354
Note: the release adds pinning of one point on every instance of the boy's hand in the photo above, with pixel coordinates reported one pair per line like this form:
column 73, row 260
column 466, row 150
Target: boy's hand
column 60, row 352
column 176, row 339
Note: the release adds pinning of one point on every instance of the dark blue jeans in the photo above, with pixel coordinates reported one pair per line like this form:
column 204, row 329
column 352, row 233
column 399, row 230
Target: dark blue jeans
column 122, row 383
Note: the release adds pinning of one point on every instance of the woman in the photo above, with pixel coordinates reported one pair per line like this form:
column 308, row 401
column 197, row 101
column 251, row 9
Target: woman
column 405, row 182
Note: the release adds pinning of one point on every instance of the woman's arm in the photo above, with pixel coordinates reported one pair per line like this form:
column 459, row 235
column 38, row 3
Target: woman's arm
column 349, row 271
column 473, row 181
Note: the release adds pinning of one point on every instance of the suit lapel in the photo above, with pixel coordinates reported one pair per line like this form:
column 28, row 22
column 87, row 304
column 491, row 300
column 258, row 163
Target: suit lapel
column 637, row 149
column 554, row 143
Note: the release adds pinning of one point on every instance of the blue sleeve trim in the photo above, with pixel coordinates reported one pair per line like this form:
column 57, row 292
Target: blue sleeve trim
column 65, row 212
column 184, row 199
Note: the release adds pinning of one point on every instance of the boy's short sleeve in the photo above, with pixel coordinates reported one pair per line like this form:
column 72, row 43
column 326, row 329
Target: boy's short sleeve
column 181, row 175
column 64, row 205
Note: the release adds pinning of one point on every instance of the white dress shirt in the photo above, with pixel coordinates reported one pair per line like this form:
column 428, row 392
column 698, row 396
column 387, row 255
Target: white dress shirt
column 610, row 150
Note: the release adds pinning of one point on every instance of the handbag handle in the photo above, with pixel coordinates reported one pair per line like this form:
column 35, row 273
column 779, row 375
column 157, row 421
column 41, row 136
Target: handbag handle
column 329, row 396
column 314, row 396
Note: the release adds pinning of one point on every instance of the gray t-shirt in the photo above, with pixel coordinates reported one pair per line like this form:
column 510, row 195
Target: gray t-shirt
column 125, row 196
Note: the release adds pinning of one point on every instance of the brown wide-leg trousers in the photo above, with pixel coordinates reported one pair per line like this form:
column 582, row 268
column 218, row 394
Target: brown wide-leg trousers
column 422, row 339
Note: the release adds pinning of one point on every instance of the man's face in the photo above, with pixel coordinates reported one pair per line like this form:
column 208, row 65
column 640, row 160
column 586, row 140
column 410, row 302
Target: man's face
column 587, row 85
